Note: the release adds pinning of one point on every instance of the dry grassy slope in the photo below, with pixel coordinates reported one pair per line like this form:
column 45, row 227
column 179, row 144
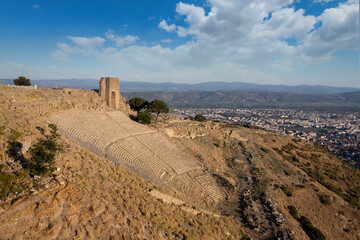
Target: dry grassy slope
column 90, row 197
column 266, row 163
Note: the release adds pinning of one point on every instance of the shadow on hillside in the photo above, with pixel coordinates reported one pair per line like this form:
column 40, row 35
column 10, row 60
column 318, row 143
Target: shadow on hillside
column 132, row 117
column 15, row 152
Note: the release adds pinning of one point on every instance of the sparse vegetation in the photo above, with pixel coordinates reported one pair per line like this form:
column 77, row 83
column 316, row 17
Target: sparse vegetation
column 311, row 231
column 293, row 212
column 286, row 190
column 144, row 117
column 200, row 118
column 43, row 153
column 325, row 199
column 22, row 81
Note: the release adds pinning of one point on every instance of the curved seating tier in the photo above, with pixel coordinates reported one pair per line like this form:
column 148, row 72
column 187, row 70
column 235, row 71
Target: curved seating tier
column 169, row 153
column 142, row 149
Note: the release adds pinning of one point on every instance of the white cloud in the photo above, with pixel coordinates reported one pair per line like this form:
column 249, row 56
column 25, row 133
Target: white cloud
column 166, row 40
column 166, row 27
column 88, row 43
column 339, row 30
column 234, row 41
column 121, row 41
column 36, row 6
column 8, row 69
column 322, row 1
column 83, row 45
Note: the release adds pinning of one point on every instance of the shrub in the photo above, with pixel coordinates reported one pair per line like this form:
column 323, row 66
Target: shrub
column 286, row 190
column 325, row 199
column 6, row 182
column 200, row 118
column 144, row 117
column 295, row 159
column 311, row 231
column 293, row 212
column 22, row 81
column 43, row 153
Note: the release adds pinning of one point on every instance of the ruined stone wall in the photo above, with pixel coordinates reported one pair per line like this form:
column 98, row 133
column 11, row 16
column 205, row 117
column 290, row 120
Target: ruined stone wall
column 109, row 91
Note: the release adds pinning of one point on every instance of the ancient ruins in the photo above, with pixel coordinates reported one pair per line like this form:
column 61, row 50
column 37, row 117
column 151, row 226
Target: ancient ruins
column 109, row 90
column 142, row 149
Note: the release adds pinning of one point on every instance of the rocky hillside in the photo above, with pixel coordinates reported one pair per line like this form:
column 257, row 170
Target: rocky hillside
column 275, row 186
column 271, row 180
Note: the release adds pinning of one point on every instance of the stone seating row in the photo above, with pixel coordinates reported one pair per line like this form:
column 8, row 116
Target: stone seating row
column 124, row 121
column 209, row 185
column 145, row 165
column 76, row 131
column 128, row 150
column 169, row 153
column 93, row 120
column 138, row 156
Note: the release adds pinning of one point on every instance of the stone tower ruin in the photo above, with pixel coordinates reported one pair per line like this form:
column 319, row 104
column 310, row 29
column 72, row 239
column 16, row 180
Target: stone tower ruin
column 110, row 91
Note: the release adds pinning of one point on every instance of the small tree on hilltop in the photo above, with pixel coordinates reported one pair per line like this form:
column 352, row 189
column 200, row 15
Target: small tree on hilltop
column 157, row 106
column 22, row 81
column 138, row 103
column 200, row 118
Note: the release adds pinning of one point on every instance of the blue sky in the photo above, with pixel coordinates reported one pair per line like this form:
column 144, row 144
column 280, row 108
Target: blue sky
column 262, row 41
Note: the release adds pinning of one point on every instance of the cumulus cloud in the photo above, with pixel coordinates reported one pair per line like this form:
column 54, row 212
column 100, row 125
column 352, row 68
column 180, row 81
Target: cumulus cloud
column 339, row 30
column 87, row 43
column 166, row 40
column 83, row 45
column 235, row 40
column 121, row 41
column 169, row 28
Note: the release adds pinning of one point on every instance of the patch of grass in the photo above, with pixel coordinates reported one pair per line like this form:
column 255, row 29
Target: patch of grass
column 14, row 135
column 6, row 184
column 2, row 128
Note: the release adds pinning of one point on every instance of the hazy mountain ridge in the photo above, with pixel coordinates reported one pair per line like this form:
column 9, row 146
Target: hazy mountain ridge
column 129, row 86
column 249, row 99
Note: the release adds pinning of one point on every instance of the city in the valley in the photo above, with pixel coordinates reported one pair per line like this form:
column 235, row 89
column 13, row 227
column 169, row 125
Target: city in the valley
column 337, row 132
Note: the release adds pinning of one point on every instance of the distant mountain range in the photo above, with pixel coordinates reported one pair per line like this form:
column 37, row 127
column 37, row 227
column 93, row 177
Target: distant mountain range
column 237, row 99
column 127, row 86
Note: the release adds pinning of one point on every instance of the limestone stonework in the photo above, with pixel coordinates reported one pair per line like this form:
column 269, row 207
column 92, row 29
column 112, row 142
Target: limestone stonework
column 110, row 91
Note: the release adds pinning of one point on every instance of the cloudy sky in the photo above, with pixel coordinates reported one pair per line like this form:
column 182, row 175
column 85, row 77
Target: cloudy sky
column 261, row 41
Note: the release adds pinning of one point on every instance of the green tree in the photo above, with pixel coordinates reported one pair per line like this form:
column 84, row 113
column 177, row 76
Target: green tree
column 144, row 117
column 138, row 103
column 200, row 118
column 22, row 81
column 157, row 106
